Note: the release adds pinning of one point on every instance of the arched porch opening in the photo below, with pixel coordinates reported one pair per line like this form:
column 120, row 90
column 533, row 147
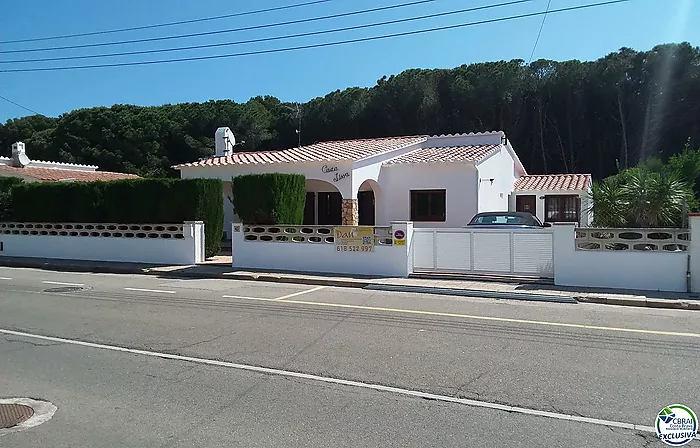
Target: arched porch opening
column 367, row 199
column 323, row 204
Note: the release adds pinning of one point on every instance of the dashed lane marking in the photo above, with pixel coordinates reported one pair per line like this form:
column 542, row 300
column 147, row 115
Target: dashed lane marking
column 62, row 283
column 289, row 296
column 162, row 291
column 247, row 298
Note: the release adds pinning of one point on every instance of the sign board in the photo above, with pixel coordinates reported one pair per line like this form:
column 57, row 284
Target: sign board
column 399, row 238
column 354, row 239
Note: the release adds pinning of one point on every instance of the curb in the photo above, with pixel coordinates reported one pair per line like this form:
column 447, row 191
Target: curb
column 473, row 293
column 693, row 305
column 278, row 279
column 644, row 303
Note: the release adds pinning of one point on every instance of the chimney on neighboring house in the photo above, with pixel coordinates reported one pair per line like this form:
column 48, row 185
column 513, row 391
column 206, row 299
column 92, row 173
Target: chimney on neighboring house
column 224, row 141
column 19, row 156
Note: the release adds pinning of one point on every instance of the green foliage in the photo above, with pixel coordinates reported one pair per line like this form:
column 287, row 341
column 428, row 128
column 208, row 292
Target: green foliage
column 640, row 197
column 608, row 204
column 268, row 199
column 6, row 184
column 148, row 201
column 568, row 116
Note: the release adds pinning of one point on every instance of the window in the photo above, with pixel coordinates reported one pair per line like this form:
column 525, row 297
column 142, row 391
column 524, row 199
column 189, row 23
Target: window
column 562, row 208
column 428, row 205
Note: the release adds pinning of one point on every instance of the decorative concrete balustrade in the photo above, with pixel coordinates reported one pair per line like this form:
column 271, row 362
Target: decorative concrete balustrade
column 304, row 234
column 655, row 240
column 165, row 231
column 168, row 244
column 314, row 249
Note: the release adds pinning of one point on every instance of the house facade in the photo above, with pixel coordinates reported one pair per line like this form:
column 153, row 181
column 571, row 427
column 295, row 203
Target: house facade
column 433, row 181
column 20, row 165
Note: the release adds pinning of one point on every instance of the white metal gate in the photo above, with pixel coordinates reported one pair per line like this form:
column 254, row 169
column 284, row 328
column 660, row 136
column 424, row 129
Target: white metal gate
column 515, row 252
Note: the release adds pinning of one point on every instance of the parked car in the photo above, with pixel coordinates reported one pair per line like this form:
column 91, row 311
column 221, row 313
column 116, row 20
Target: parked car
column 506, row 220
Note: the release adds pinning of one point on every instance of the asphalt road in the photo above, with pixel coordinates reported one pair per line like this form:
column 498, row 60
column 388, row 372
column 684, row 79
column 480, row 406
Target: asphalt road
column 604, row 362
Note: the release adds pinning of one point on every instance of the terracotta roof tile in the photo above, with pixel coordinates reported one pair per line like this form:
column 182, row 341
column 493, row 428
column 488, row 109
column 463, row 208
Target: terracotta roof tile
column 471, row 153
column 55, row 174
column 317, row 152
column 553, row 182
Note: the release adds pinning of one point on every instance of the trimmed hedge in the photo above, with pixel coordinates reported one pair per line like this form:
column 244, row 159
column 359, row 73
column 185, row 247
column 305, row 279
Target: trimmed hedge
column 6, row 184
column 129, row 201
column 270, row 199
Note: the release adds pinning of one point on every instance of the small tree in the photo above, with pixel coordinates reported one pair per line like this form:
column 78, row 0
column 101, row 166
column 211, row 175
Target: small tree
column 269, row 199
column 638, row 197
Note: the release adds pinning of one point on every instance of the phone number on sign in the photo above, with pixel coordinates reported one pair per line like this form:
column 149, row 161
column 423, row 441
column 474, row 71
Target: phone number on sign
column 354, row 248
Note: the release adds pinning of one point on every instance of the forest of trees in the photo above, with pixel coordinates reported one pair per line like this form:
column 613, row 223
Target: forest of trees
column 595, row 117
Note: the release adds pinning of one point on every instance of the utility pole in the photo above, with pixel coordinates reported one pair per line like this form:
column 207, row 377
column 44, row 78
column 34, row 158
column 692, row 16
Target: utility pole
column 299, row 118
column 297, row 109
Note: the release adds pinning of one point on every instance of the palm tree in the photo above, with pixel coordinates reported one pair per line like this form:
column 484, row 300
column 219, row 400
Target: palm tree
column 654, row 199
column 608, row 204
column 639, row 198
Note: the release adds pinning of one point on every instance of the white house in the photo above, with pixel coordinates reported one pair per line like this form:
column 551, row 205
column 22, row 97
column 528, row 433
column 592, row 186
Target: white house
column 20, row 165
column 434, row 181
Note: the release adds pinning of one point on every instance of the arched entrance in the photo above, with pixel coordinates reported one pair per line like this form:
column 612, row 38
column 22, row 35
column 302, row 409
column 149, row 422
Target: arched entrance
column 367, row 202
column 323, row 204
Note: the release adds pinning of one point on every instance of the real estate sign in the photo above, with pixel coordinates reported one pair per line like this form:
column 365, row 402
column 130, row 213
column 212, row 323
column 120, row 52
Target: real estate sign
column 354, row 238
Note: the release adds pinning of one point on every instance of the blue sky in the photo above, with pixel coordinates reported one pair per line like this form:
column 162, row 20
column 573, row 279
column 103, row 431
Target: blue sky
column 305, row 74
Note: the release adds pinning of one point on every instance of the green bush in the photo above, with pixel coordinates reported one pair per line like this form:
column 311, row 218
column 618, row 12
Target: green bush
column 270, row 199
column 130, row 201
column 6, row 184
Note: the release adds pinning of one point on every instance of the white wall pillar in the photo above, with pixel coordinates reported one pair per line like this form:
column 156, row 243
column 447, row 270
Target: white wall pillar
column 563, row 245
column 193, row 232
column 694, row 251
column 407, row 228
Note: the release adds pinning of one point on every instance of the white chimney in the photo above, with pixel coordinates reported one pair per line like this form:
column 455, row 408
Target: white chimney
column 19, row 157
column 224, row 141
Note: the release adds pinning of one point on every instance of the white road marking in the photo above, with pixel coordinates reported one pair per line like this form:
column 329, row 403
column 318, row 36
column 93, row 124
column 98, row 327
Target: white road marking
column 485, row 318
column 5, row 278
column 151, row 290
column 289, row 296
column 324, row 379
column 246, row 298
column 63, row 283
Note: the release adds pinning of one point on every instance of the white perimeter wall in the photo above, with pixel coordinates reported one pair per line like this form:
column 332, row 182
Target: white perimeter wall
column 385, row 261
column 493, row 197
column 458, row 179
column 187, row 251
column 654, row 271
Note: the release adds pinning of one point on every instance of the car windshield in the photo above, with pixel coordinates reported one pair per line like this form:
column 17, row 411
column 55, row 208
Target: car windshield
column 505, row 219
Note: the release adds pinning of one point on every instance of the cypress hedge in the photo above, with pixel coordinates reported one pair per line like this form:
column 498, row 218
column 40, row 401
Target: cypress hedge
column 129, row 201
column 270, row 199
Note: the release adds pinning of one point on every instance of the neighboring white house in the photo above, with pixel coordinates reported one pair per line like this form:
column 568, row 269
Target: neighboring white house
column 434, row 181
column 19, row 165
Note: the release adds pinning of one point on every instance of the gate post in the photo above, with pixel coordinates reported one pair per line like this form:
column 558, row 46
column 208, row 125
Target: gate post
column 405, row 245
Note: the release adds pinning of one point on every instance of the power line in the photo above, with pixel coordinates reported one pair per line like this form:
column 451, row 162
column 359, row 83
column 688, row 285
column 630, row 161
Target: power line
column 320, row 45
column 231, row 30
column 267, row 39
column 19, row 105
column 549, row 4
column 161, row 25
